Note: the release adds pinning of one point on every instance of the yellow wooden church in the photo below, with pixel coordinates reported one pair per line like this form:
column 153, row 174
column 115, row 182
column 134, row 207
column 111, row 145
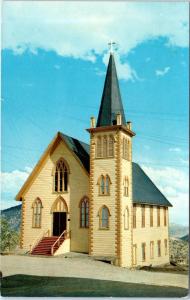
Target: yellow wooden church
column 92, row 198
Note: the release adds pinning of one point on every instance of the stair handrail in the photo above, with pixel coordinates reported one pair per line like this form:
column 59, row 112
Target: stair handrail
column 64, row 233
column 40, row 237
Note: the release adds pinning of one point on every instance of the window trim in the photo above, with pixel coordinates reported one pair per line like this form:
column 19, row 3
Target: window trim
column 106, row 179
column 36, row 202
column 126, row 211
column 100, row 218
column 85, row 200
column 63, row 175
column 126, row 186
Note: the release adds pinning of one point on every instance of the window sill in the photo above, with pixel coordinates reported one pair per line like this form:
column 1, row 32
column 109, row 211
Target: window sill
column 103, row 228
column 64, row 192
column 36, row 227
column 103, row 195
column 107, row 157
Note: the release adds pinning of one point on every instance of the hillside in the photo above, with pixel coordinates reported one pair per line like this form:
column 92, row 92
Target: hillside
column 185, row 238
column 176, row 230
column 13, row 216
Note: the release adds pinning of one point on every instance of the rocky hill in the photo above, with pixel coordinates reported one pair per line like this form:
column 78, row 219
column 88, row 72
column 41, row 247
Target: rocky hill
column 13, row 216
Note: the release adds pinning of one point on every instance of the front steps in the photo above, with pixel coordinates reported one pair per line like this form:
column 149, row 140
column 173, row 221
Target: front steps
column 45, row 245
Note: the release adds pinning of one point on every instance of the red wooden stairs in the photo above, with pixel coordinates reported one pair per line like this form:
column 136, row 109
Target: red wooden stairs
column 45, row 245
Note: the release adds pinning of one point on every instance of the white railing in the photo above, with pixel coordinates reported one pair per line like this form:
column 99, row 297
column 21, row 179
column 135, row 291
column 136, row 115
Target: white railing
column 65, row 234
column 41, row 236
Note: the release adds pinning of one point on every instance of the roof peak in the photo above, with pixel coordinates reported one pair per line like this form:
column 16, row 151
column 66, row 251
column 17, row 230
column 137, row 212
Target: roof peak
column 111, row 103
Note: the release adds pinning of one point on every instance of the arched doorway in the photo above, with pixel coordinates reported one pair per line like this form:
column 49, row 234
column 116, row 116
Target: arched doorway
column 59, row 211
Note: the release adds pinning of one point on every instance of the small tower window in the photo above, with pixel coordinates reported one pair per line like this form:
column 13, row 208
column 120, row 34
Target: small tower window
column 104, row 185
column 111, row 146
column 61, row 177
column 126, row 219
column 99, row 147
column 104, row 215
column 126, row 187
column 84, row 213
column 105, row 146
column 128, row 149
column 37, row 213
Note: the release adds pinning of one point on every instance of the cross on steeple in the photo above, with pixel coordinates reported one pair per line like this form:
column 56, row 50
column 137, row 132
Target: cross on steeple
column 110, row 44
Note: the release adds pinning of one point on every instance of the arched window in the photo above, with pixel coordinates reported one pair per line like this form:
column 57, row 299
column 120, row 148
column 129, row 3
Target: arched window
column 84, row 213
column 105, row 146
column 126, row 186
column 126, row 218
column 61, row 177
column 37, row 213
column 99, row 147
column 107, row 185
column 111, row 146
column 104, row 215
column 104, row 185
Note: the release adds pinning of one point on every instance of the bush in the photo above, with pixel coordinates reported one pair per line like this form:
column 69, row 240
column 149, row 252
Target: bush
column 9, row 237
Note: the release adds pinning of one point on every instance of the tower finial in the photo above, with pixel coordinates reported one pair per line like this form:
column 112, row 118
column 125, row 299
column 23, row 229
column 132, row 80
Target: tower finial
column 110, row 44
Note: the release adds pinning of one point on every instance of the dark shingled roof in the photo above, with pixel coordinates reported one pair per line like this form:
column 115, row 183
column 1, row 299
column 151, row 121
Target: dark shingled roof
column 144, row 190
column 111, row 102
column 81, row 149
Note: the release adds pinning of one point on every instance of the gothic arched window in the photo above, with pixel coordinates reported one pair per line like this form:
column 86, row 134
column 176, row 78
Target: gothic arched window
column 61, row 177
column 84, row 213
column 104, row 185
column 104, row 215
column 37, row 213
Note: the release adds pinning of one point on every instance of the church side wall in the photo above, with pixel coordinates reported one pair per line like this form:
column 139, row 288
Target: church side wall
column 148, row 234
column 42, row 187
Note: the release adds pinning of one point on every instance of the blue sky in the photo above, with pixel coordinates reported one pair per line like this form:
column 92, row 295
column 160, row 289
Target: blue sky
column 54, row 62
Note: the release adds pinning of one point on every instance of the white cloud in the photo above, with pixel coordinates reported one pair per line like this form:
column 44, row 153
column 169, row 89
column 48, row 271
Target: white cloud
column 175, row 149
column 83, row 29
column 162, row 72
column 174, row 184
column 12, row 181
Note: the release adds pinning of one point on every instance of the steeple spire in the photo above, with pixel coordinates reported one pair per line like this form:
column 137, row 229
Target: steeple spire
column 111, row 103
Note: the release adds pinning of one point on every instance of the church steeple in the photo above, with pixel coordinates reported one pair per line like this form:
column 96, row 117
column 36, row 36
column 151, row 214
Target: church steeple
column 111, row 103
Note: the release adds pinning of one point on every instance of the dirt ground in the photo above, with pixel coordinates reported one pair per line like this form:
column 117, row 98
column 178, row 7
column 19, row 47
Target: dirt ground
column 83, row 266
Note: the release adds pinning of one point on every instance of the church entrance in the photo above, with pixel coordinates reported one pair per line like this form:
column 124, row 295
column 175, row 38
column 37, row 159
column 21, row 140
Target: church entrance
column 60, row 213
column 59, row 223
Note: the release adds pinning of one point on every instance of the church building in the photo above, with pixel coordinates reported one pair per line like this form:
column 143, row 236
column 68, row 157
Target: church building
column 93, row 198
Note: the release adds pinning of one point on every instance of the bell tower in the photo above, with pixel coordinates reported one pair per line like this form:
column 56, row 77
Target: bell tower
column 110, row 215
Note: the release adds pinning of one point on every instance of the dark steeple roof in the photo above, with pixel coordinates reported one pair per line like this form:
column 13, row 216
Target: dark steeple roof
column 111, row 102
